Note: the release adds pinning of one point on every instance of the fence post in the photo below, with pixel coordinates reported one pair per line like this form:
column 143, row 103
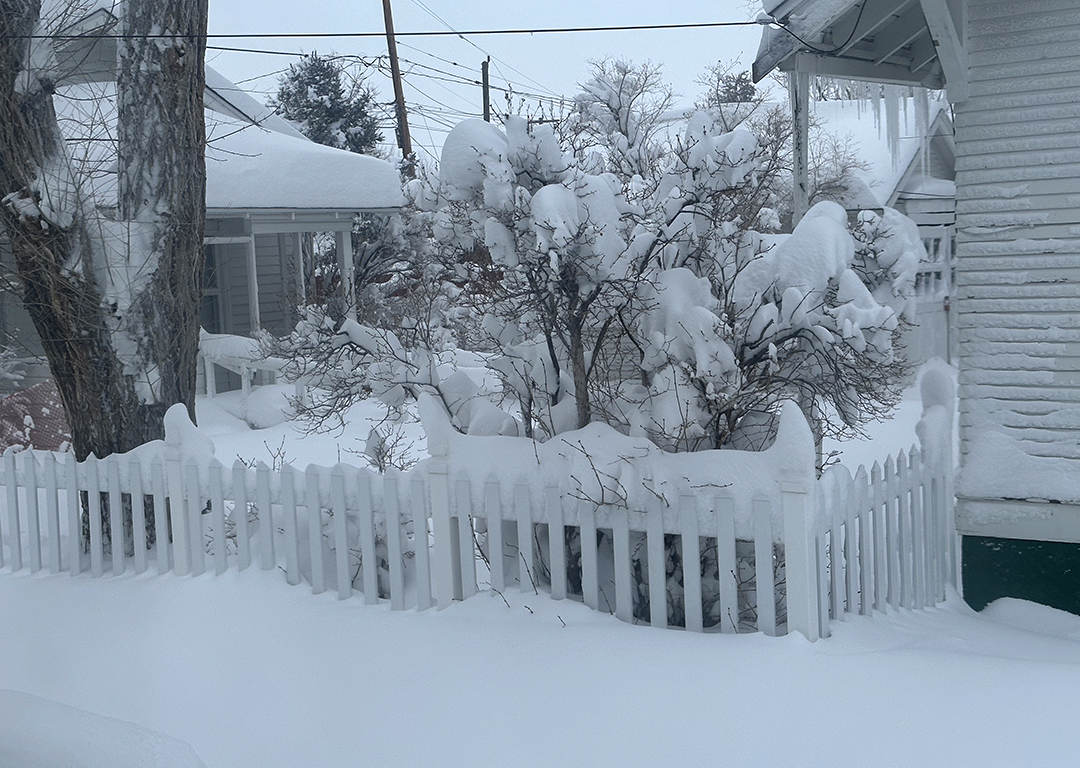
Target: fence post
column 446, row 578
column 800, row 549
column 447, row 582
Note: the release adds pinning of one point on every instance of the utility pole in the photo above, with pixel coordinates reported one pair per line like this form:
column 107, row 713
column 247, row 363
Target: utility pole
column 404, row 142
column 487, row 88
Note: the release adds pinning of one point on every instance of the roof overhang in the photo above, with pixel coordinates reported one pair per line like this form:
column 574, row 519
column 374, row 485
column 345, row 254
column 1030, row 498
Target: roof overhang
column 903, row 42
column 273, row 221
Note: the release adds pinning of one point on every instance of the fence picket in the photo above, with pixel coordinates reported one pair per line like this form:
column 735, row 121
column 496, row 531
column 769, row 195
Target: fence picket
column 623, row 586
column 162, row 529
column 369, row 559
column 556, row 541
column 420, row 544
column 904, row 530
column 343, row 580
column 881, row 563
column 763, row 566
column 819, row 554
column 14, row 527
column 851, row 549
column 71, row 509
column 654, row 523
column 138, row 512
column 727, row 565
column 918, row 538
column 266, row 517
column 496, row 546
column 290, row 538
column 892, row 532
column 866, row 541
column 940, row 538
column 52, row 513
column 93, row 492
column 835, row 605
column 464, row 542
column 116, row 517
column 691, row 563
column 33, row 521
column 240, row 515
column 314, row 530
column 523, row 510
column 590, row 583
column 394, row 551
column 217, row 518
column 196, row 540
column 178, row 514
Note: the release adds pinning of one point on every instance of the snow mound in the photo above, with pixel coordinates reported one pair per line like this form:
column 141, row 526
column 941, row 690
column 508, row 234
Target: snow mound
column 1043, row 619
column 37, row 733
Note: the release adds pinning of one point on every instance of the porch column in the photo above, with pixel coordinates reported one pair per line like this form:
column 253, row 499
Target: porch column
column 799, row 93
column 301, row 265
column 345, row 266
column 253, row 285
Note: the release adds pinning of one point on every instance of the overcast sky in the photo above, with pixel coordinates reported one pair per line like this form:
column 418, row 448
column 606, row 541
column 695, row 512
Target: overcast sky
column 545, row 65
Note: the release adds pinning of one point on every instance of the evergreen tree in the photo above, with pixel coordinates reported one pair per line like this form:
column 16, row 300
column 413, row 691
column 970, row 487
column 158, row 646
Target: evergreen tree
column 313, row 95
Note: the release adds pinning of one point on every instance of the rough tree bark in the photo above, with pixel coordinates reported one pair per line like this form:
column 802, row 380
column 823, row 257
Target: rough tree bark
column 115, row 299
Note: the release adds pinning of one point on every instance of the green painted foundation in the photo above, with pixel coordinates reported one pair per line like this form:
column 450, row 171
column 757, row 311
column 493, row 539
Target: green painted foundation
column 1044, row 572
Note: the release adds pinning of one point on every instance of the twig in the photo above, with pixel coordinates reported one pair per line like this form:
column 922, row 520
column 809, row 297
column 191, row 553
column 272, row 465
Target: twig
column 557, row 616
column 537, row 591
column 500, row 594
column 476, row 544
column 530, row 610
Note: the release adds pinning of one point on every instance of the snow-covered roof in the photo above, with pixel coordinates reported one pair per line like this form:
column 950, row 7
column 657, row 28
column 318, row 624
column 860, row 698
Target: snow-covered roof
column 227, row 98
column 248, row 167
column 254, row 159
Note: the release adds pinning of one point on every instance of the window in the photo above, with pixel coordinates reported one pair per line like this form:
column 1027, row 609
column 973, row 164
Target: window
column 210, row 314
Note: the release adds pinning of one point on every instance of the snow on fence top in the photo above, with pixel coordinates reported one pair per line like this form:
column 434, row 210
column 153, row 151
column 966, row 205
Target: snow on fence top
column 599, row 464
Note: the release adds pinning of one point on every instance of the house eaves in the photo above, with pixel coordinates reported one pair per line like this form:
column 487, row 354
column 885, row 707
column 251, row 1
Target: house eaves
column 904, row 42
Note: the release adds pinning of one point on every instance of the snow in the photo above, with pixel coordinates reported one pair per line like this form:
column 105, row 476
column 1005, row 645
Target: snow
column 249, row 167
column 251, row 672
column 254, row 674
column 869, row 140
column 997, row 467
column 36, row 733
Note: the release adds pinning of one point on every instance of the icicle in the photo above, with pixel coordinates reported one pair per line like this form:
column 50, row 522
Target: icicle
column 922, row 121
column 892, row 122
column 875, row 99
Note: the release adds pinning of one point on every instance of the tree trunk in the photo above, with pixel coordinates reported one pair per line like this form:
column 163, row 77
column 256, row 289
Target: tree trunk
column 579, row 371
column 161, row 130
column 119, row 360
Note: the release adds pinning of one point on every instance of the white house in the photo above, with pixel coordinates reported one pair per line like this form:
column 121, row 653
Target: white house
column 1011, row 71
column 267, row 185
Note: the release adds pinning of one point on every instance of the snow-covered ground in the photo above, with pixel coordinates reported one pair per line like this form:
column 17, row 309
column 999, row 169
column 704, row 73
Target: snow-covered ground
column 251, row 672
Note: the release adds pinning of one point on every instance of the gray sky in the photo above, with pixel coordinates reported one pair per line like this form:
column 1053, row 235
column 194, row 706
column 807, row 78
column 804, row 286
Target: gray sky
column 544, row 64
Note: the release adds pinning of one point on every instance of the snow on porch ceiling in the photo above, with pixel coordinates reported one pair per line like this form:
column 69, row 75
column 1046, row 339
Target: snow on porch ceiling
column 904, row 42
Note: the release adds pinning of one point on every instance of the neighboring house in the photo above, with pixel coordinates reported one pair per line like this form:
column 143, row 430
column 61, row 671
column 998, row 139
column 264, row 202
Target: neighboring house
column 1012, row 72
column 910, row 165
column 267, row 185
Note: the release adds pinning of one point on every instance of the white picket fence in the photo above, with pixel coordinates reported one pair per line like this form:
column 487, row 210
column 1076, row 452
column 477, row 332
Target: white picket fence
column 883, row 539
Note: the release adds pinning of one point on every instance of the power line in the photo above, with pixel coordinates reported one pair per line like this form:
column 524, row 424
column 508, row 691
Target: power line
column 426, row 33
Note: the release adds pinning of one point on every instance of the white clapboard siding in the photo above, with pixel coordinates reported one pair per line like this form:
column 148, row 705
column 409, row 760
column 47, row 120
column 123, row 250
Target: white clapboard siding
column 1018, row 237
